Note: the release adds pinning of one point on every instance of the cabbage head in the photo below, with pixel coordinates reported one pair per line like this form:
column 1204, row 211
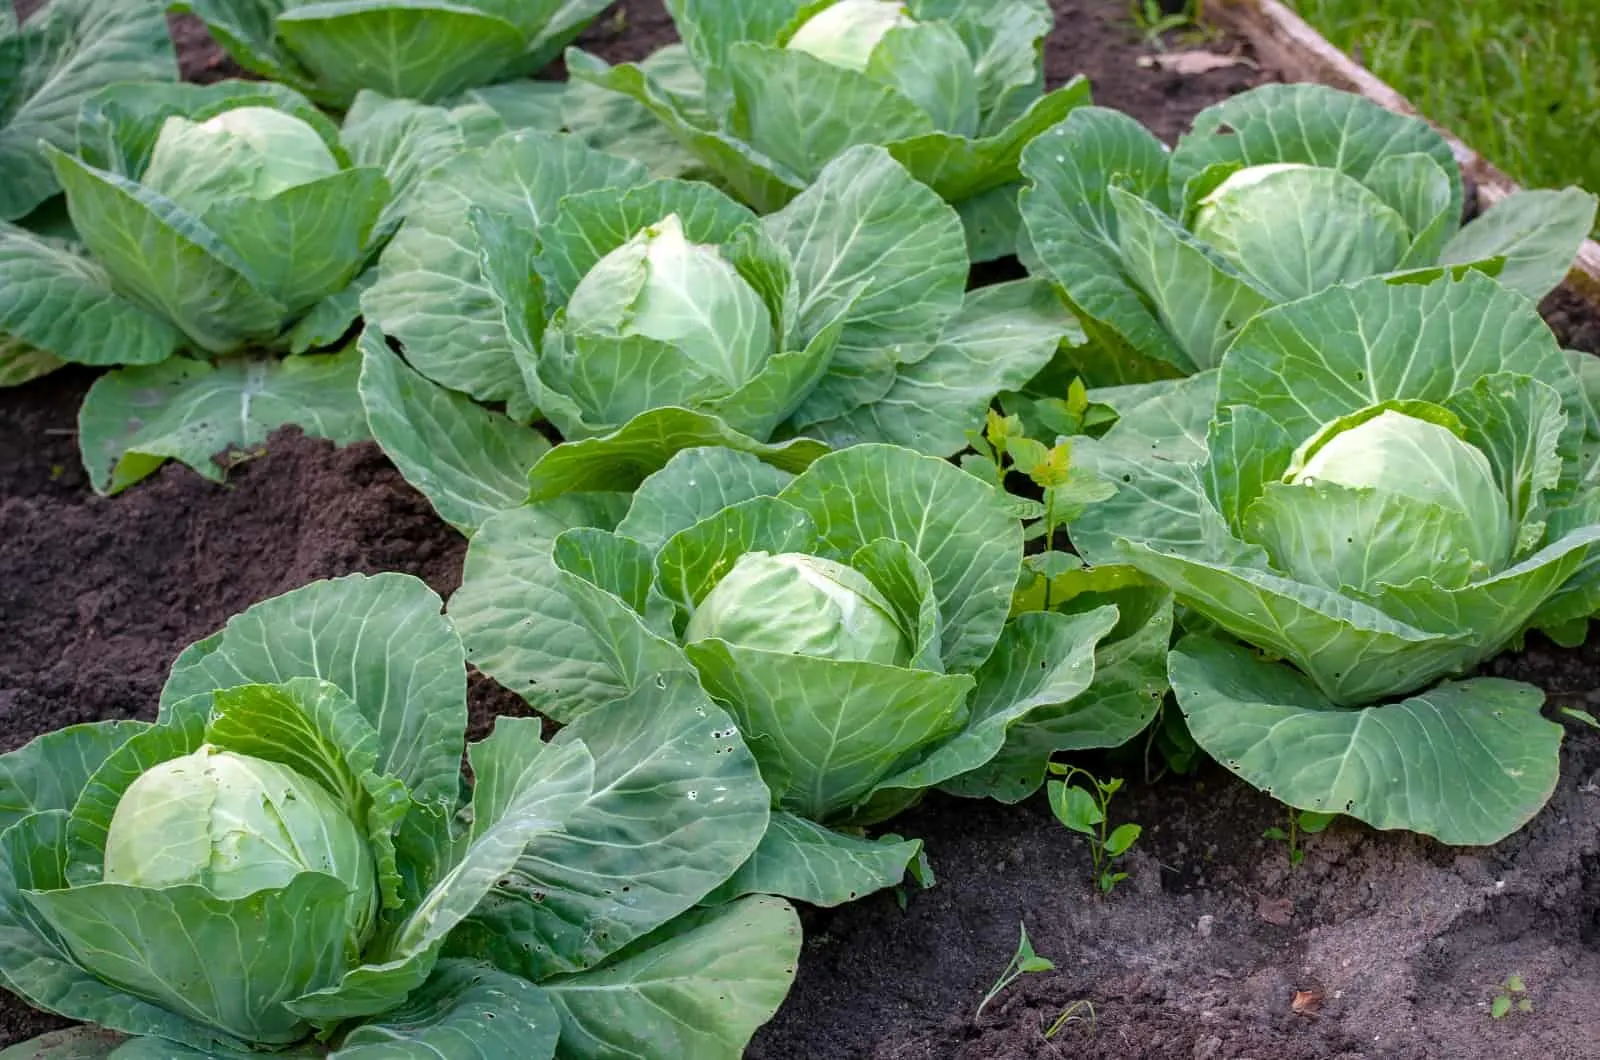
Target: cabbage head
column 1382, row 486
column 425, row 50
column 854, row 619
column 679, row 306
column 1277, row 193
column 847, row 33
column 288, row 860
column 765, row 95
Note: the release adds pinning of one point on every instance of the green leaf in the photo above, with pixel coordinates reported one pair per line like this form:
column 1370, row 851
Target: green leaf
column 33, row 855
column 959, row 168
column 1002, row 337
column 134, row 419
column 488, row 110
column 956, row 525
column 691, row 562
column 699, row 988
column 1154, row 455
column 167, row 260
column 544, row 788
column 1355, row 652
column 993, row 223
column 381, row 639
column 1071, row 223
column 1121, row 838
column 49, row 771
column 870, row 242
column 1419, row 190
column 431, row 292
column 411, row 49
column 929, row 65
column 1130, row 679
column 465, row 1011
column 330, row 319
column 621, row 460
column 1517, row 422
column 21, row 363
column 1074, row 807
column 468, row 461
column 404, row 139
column 316, row 730
column 710, row 28
column 229, row 964
column 804, row 112
column 64, row 53
column 1360, row 540
column 1199, row 297
column 752, row 177
column 1500, row 1007
column 1043, row 661
column 1467, row 762
column 829, row 733
column 309, row 241
column 619, row 125
column 518, row 623
column 74, row 1043
column 677, row 806
column 802, row 860
column 693, row 485
column 1537, row 232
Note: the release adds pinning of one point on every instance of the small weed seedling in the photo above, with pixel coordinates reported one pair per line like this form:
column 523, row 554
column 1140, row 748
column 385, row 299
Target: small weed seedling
column 1512, row 994
column 1080, row 1011
column 1582, row 716
column 1301, row 822
column 1023, row 962
column 1085, row 810
column 1154, row 20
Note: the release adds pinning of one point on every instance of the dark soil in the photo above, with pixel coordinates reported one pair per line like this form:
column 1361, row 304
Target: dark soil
column 1378, row 945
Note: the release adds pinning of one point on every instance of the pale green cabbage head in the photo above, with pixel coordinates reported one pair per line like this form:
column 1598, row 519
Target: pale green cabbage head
column 235, row 825
column 1246, row 219
column 802, row 605
column 251, row 152
column 846, row 33
column 663, row 287
column 1425, row 462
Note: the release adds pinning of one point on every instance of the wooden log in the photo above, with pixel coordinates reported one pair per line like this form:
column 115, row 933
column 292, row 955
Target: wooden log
column 1286, row 43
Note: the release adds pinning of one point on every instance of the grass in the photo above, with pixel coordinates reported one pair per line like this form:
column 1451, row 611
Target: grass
column 1519, row 80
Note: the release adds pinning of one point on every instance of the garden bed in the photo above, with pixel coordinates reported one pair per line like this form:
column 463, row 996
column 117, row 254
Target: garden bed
column 1376, row 945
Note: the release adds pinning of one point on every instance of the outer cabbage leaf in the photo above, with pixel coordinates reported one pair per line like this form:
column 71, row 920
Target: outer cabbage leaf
column 135, row 419
column 65, row 52
column 1468, row 762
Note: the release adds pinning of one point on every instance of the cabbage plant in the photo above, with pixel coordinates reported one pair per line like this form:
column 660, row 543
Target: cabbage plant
column 952, row 88
column 216, row 229
column 1275, row 194
column 63, row 53
column 638, row 317
column 425, row 50
column 288, row 859
column 853, row 619
column 1382, row 485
